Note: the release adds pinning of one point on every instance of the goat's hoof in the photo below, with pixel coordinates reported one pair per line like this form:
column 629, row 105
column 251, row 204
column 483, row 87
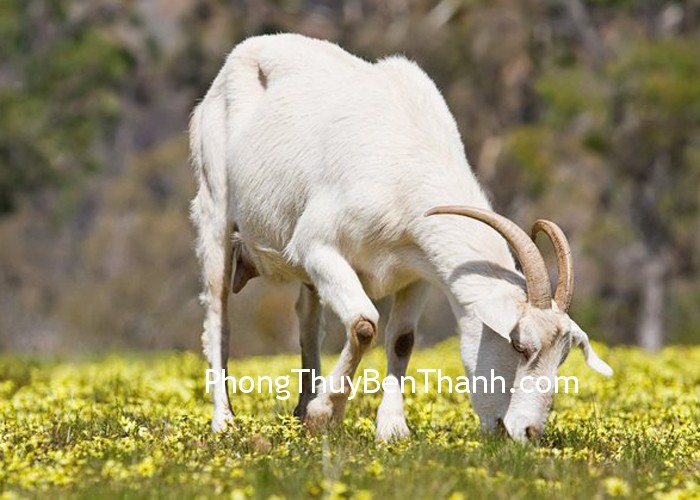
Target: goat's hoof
column 319, row 414
column 300, row 411
column 302, row 406
column 220, row 422
column 392, row 428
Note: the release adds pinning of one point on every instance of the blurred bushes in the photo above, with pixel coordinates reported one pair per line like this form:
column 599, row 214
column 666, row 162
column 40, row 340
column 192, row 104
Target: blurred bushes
column 63, row 72
column 584, row 113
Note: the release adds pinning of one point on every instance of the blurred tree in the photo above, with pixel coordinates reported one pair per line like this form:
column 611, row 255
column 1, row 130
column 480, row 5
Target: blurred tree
column 653, row 133
column 60, row 77
column 586, row 112
column 639, row 112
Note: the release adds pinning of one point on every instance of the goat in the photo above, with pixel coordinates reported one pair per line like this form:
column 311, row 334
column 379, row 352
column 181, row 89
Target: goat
column 318, row 167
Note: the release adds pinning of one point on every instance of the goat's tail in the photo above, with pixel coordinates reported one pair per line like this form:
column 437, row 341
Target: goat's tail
column 236, row 91
column 208, row 148
column 210, row 213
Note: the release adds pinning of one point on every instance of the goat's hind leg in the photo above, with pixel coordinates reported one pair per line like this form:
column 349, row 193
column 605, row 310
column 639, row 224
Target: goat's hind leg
column 309, row 312
column 214, row 250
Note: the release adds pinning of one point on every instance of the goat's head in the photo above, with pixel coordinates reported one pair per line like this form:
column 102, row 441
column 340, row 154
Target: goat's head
column 521, row 335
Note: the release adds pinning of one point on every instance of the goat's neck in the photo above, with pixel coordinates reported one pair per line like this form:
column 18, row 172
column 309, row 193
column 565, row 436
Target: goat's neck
column 468, row 259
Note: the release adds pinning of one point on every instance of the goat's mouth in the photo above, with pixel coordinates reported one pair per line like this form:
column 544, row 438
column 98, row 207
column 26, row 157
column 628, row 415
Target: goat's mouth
column 531, row 433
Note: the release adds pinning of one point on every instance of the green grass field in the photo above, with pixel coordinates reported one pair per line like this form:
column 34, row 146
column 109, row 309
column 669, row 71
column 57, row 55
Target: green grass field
column 138, row 426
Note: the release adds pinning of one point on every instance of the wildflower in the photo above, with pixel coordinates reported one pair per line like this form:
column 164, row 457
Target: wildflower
column 616, row 487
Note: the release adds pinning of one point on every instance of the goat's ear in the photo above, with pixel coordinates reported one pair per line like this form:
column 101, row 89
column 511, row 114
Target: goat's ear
column 499, row 312
column 580, row 339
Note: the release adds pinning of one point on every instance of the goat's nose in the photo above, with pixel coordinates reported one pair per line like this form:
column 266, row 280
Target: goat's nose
column 532, row 432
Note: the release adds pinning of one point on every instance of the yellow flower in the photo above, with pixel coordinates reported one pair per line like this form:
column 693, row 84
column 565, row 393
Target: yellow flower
column 616, row 487
column 375, row 468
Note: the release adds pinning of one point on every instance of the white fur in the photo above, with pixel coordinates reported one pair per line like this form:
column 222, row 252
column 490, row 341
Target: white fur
column 324, row 164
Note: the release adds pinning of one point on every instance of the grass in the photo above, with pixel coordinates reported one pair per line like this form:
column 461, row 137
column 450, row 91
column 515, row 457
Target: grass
column 137, row 426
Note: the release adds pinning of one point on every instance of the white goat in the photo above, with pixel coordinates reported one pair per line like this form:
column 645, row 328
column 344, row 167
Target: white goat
column 323, row 167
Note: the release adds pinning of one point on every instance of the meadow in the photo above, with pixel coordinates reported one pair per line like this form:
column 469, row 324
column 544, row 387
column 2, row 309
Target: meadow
column 137, row 426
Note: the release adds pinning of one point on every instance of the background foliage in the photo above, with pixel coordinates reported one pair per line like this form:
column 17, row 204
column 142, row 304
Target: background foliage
column 587, row 113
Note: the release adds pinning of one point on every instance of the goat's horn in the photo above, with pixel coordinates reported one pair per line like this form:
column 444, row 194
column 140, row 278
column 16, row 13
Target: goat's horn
column 536, row 277
column 565, row 267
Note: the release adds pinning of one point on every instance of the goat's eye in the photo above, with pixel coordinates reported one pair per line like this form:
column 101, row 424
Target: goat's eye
column 524, row 350
column 521, row 349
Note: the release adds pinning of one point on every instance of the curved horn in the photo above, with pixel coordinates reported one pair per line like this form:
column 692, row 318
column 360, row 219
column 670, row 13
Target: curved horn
column 536, row 277
column 565, row 267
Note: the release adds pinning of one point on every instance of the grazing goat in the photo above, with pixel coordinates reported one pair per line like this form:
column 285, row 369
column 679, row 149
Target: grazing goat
column 319, row 167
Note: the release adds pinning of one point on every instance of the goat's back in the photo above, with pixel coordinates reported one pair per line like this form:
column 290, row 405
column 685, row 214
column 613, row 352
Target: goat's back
column 321, row 142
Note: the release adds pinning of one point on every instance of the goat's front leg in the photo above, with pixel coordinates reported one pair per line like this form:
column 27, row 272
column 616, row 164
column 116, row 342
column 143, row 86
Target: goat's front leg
column 400, row 335
column 339, row 287
column 309, row 312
